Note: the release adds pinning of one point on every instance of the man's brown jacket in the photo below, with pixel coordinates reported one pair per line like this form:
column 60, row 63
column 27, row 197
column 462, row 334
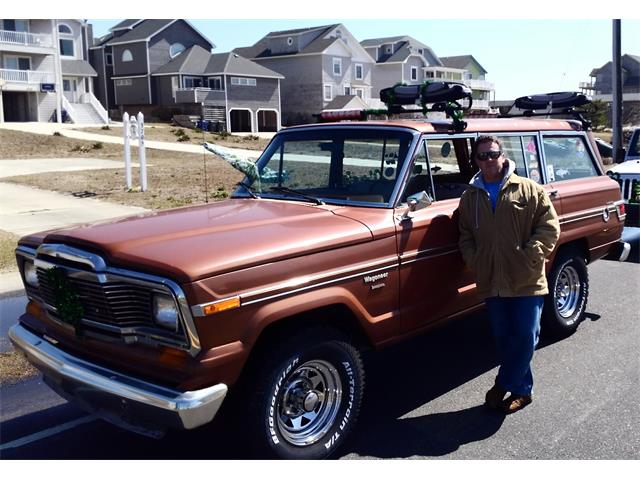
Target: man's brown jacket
column 506, row 249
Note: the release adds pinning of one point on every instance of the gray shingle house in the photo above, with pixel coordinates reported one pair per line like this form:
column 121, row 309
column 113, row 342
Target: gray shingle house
column 318, row 65
column 45, row 74
column 474, row 77
column 229, row 88
column 130, row 53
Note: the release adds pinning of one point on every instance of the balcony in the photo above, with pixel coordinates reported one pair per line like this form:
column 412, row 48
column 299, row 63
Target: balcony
column 25, row 39
column 198, row 95
column 479, row 84
column 25, row 79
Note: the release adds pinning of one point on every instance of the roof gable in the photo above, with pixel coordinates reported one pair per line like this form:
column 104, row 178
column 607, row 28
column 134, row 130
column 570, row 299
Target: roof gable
column 144, row 30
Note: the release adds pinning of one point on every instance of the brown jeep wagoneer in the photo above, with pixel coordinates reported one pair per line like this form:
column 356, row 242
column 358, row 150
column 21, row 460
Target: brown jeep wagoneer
column 344, row 238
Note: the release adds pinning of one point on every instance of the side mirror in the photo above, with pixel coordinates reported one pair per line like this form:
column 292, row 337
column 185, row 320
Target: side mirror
column 417, row 201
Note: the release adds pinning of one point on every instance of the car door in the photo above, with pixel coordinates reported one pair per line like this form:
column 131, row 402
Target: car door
column 434, row 281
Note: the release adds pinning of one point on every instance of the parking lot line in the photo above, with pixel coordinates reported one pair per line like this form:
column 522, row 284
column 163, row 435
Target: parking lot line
column 34, row 437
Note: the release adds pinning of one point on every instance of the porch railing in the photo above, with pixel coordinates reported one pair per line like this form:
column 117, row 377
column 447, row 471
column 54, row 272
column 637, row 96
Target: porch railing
column 97, row 106
column 27, row 39
column 26, row 76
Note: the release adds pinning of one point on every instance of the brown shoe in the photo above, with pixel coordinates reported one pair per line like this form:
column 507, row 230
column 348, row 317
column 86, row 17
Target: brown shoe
column 494, row 397
column 515, row 403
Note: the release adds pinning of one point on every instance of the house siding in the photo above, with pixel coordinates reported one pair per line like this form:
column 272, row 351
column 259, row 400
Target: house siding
column 385, row 76
column 46, row 106
column 135, row 94
column 164, row 91
column 264, row 95
column 136, row 67
column 97, row 61
column 406, row 67
column 301, row 89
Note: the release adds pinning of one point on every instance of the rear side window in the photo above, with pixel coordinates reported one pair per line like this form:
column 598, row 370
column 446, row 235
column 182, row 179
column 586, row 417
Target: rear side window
column 567, row 158
column 524, row 152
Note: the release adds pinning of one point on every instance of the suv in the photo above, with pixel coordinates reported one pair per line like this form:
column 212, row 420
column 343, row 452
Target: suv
column 627, row 174
column 349, row 242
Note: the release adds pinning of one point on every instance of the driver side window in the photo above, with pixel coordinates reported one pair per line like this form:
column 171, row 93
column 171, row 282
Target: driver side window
column 419, row 179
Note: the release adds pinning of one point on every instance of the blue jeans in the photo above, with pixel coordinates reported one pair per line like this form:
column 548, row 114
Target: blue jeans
column 516, row 326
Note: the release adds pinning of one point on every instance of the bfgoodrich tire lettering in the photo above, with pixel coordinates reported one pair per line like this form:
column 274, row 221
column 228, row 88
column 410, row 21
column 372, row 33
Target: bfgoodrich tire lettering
column 309, row 399
column 566, row 302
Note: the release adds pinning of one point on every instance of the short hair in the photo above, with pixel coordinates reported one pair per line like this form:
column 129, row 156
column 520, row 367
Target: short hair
column 485, row 139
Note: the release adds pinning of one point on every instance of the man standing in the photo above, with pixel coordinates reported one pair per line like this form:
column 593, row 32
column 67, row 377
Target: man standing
column 507, row 228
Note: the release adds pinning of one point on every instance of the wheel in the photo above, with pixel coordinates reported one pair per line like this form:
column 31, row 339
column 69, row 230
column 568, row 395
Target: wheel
column 566, row 302
column 307, row 398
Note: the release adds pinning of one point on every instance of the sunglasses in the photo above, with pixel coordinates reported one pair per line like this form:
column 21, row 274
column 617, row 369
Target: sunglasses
column 493, row 154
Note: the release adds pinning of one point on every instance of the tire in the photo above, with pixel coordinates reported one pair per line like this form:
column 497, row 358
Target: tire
column 566, row 302
column 307, row 397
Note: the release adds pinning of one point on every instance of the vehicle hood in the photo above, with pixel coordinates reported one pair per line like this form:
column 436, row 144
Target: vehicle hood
column 192, row 243
column 627, row 167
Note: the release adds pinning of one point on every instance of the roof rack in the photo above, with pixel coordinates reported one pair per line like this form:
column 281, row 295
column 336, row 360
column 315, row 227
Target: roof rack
column 442, row 96
column 554, row 104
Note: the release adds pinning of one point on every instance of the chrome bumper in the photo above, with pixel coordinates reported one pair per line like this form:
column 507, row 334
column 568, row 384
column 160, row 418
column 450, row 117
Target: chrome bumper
column 126, row 401
column 619, row 252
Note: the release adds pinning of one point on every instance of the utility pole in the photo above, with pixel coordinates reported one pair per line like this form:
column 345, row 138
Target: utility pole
column 616, row 104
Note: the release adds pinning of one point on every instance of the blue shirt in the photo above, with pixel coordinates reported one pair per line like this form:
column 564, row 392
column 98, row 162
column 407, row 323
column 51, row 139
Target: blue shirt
column 493, row 189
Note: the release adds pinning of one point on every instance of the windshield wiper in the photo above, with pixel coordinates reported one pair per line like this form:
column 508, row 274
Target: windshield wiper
column 250, row 190
column 317, row 201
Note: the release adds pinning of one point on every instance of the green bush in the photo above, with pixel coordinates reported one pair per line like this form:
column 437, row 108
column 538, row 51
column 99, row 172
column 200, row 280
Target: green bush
column 106, row 127
column 97, row 146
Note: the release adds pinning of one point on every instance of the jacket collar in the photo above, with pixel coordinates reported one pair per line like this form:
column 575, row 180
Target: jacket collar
column 478, row 181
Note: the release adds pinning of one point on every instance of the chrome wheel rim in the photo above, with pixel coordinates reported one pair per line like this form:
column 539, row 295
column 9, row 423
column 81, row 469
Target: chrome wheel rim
column 309, row 403
column 568, row 289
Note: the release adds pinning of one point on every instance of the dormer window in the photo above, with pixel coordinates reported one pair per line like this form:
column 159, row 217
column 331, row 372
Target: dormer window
column 289, row 41
column 127, row 56
column 176, row 49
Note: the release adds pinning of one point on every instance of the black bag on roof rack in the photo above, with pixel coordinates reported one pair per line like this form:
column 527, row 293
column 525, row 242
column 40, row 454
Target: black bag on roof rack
column 427, row 93
column 546, row 101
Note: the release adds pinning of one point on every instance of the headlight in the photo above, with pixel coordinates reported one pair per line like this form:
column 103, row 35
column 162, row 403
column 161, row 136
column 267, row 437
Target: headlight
column 30, row 274
column 165, row 312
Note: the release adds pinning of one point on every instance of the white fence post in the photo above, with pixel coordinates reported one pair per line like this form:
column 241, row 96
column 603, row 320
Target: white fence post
column 126, row 129
column 141, row 153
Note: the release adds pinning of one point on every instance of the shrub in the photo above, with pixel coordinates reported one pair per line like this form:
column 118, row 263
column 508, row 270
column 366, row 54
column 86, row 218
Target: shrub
column 97, row 146
column 106, row 127
column 57, row 134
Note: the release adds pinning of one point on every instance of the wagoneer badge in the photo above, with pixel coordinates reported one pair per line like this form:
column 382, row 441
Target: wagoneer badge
column 66, row 300
column 375, row 278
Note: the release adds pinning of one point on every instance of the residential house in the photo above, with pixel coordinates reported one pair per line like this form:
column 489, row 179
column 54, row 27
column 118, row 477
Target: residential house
column 474, row 78
column 126, row 58
column 403, row 59
column 319, row 64
column 45, row 74
column 600, row 86
column 228, row 88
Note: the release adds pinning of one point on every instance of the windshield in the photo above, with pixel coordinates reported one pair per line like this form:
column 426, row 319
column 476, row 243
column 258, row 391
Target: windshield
column 334, row 165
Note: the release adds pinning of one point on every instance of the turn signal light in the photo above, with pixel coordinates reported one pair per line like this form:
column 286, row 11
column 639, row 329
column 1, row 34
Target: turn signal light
column 221, row 306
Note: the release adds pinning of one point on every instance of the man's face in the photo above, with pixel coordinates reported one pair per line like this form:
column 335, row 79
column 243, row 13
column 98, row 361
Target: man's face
column 491, row 168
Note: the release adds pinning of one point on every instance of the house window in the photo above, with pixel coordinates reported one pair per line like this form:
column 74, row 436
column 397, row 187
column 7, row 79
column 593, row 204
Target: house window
column 337, row 66
column 127, row 56
column 67, row 48
column 421, row 51
column 17, row 63
column 359, row 72
column 328, row 92
column 347, row 89
column 360, row 92
column 109, row 59
column 389, row 49
column 62, row 28
column 414, row 73
column 429, row 74
column 176, row 49
column 124, row 82
column 192, row 82
column 16, row 25
column 215, row 83
column 245, row 82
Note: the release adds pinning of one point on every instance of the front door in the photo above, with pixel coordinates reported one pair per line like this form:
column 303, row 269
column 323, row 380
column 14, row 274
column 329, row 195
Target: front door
column 434, row 281
column 70, row 88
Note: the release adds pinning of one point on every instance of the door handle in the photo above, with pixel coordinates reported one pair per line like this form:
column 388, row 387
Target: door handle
column 553, row 193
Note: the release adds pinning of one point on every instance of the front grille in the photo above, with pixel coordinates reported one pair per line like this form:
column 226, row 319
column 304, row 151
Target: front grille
column 115, row 303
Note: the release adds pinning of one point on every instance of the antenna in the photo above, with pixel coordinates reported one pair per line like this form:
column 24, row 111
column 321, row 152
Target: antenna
column 204, row 167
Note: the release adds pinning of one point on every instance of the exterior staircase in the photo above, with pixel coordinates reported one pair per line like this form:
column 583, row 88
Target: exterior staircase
column 85, row 113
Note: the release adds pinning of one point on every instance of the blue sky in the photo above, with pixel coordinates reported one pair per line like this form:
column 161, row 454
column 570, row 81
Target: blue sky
column 522, row 57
